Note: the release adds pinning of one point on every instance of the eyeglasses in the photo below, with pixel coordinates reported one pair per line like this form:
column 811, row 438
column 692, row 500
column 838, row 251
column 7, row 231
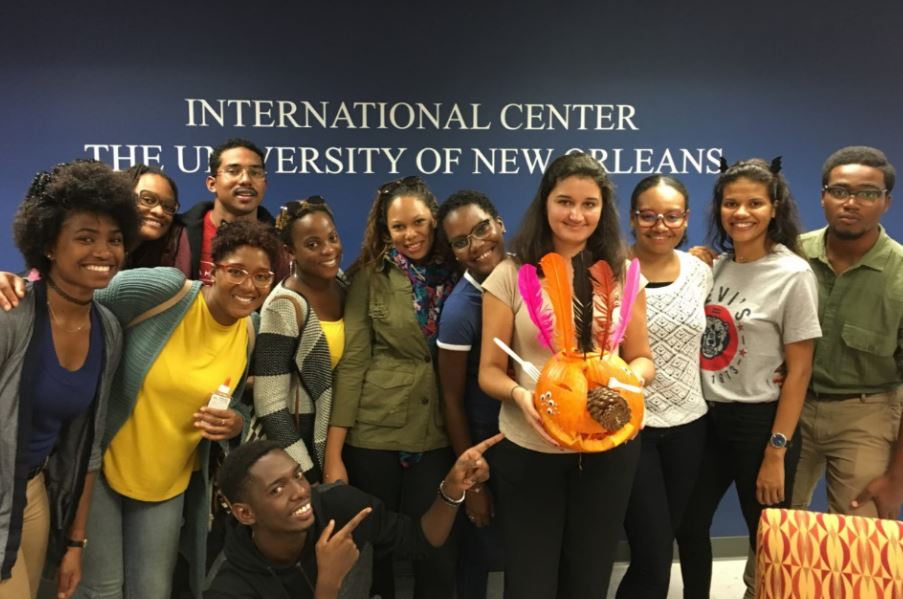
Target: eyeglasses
column 236, row 275
column 234, row 171
column 672, row 220
column 392, row 186
column 481, row 231
column 151, row 200
column 869, row 196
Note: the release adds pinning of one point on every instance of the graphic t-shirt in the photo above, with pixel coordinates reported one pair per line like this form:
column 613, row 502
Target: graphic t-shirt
column 205, row 266
column 753, row 311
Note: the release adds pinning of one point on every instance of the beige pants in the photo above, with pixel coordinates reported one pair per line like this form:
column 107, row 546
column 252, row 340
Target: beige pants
column 849, row 442
column 26, row 574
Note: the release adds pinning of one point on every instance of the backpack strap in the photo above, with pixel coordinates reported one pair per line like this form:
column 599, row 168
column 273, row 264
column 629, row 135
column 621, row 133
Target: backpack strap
column 162, row 307
column 252, row 334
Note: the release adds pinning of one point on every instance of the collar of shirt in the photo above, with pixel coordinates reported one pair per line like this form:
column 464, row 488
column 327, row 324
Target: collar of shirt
column 814, row 245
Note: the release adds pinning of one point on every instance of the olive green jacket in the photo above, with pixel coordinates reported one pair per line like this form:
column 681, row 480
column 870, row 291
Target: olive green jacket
column 386, row 390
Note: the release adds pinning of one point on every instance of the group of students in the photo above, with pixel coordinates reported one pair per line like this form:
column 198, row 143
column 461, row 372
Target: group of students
column 386, row 377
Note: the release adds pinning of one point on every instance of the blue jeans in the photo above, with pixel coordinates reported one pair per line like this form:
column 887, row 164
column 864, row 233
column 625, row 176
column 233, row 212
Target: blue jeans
column 132, row 546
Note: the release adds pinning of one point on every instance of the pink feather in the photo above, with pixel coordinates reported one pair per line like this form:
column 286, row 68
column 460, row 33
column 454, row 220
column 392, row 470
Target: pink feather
column 531, row 291
column 628, row 296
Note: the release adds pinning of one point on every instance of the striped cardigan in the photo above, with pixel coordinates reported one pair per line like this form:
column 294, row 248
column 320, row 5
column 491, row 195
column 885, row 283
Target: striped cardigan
column 293, row 379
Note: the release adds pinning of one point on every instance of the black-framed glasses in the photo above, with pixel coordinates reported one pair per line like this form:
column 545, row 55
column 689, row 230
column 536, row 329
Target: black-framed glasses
column 481, row 231
column 869, row 195
column 672, row 219
column 150, row 200
column 236, row 274
column 235, row 171
column 390, row 187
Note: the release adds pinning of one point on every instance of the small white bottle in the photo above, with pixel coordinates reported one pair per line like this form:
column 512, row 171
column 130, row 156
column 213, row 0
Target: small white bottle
column 222, row 397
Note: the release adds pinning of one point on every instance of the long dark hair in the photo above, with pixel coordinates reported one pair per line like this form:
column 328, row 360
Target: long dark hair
column 376, row 236
column 534, row 239
column 162, row 251
column 784, row 228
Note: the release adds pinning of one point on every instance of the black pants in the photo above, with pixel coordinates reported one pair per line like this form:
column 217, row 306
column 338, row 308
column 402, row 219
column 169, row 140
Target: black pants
column 669, row 466
column 737, row 437
column 479, row 549
column 561, row 516
column 411, row 491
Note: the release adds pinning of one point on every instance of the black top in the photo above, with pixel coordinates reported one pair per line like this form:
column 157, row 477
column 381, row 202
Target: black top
column 246, row 574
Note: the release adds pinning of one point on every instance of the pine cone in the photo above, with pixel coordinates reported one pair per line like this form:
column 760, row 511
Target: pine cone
column 608, row 408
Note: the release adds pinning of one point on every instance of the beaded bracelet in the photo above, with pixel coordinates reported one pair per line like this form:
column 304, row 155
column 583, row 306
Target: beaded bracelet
column 448, row 500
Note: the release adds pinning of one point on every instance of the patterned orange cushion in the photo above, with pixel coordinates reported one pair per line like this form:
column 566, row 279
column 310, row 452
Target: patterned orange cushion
column 828, row 556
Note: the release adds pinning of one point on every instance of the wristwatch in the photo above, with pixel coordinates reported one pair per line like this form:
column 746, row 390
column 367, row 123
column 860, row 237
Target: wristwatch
column 778, row 440
column 77, row 544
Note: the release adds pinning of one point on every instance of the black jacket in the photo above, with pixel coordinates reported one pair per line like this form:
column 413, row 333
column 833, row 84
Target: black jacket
column 194, row 226
column 246, row 574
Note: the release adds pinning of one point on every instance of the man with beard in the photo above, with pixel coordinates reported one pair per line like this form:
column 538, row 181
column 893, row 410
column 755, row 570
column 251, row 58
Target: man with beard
column 238, row 182
column 851, row 418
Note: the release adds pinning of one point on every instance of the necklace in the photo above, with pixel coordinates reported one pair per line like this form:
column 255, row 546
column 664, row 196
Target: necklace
column 65, row 295
column 58, row 322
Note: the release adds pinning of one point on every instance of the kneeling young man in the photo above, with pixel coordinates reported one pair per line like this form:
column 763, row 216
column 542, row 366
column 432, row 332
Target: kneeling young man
column 294, row 540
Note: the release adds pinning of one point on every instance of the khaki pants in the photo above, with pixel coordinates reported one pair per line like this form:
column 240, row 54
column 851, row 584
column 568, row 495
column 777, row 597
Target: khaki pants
column 26, row 574
column 849, row 442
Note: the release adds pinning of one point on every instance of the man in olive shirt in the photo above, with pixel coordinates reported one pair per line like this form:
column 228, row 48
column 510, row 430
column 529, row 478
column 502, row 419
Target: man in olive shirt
column 851, row 418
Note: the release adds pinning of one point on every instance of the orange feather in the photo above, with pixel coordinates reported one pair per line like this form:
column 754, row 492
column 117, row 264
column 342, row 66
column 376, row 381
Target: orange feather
column 603, row 300
column 557, row 284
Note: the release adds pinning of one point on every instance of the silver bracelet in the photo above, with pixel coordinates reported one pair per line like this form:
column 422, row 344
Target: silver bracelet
column 448, row 500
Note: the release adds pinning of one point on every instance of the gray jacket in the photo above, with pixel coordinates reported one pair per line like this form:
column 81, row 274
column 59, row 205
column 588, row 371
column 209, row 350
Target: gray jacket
column 64, row 484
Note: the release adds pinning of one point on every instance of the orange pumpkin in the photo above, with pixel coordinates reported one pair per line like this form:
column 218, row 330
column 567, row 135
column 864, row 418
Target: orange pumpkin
column 561, row 398
column 587, row 400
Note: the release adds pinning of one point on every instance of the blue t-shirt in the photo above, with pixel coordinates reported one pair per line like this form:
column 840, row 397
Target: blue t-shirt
column 460, row 329
column 59, row 394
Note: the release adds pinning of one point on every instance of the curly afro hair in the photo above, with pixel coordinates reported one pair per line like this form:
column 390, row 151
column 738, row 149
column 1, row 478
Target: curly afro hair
column 232, row 236
column 81, row 186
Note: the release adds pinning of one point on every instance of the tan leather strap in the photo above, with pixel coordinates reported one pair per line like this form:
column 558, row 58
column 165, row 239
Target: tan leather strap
column 162, row 307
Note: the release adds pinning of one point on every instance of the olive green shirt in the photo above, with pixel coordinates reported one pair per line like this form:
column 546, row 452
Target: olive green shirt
column 386, row 389
column 861, row 316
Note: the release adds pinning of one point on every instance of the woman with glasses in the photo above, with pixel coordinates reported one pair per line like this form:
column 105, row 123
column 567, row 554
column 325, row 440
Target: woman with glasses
column 183, row 342
column 761, row 317
column 386, row 427
column 59, row 349
column 163, row 239
column 673, row 438
column 561, row 511
column 302, row 336
column 475, row 232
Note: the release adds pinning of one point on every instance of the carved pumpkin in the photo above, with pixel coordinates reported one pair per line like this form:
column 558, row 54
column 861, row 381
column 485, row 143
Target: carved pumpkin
column 587, row 400
column 562, row 394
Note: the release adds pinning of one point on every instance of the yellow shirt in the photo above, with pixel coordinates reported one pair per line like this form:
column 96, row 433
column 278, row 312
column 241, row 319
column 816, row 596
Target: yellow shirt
column 152, row 456
column 334, row 331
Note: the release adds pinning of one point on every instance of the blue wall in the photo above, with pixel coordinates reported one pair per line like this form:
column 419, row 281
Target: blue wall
column 761, row 79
